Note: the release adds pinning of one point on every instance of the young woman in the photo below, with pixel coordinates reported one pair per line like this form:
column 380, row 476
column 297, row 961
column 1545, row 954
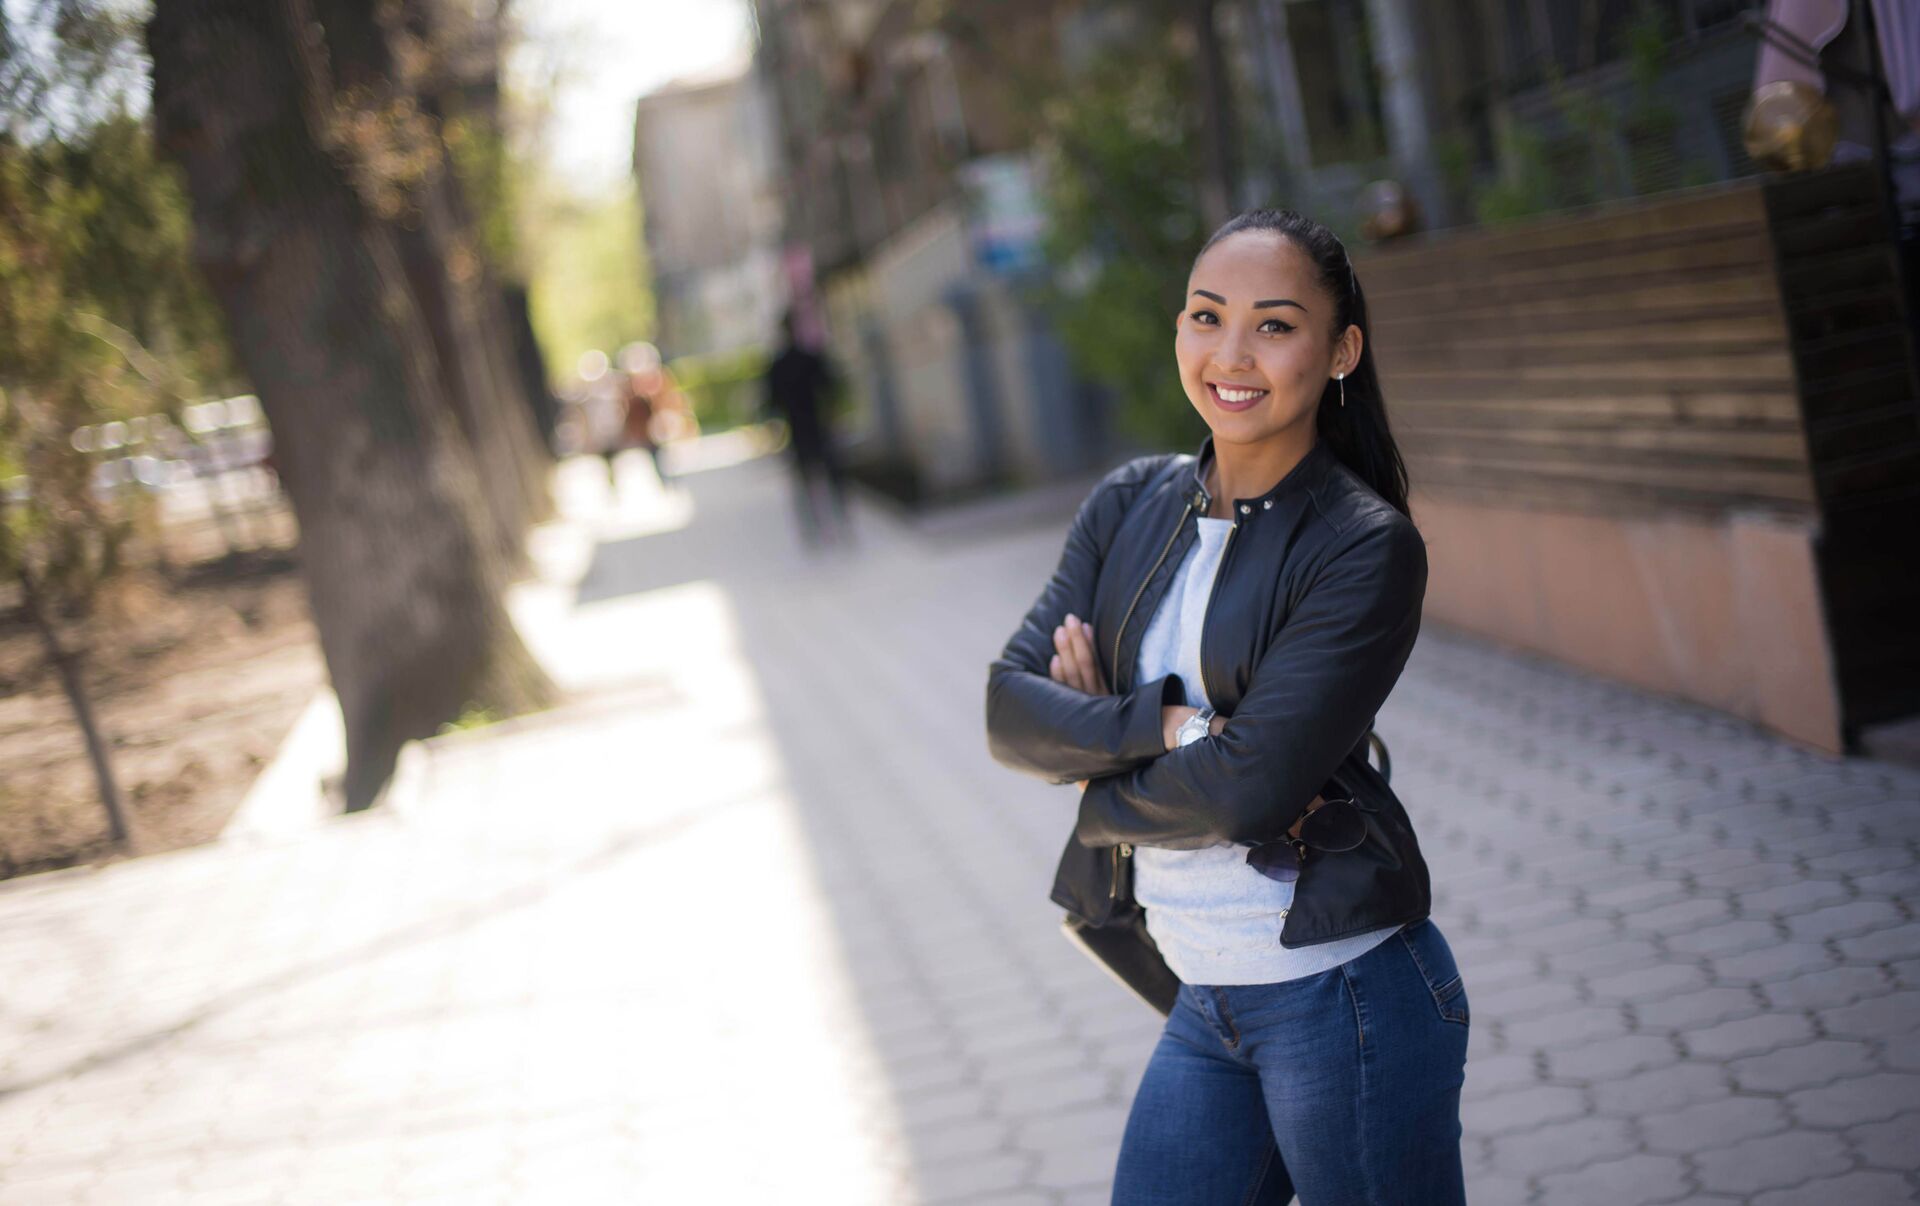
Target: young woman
column 1236, row 859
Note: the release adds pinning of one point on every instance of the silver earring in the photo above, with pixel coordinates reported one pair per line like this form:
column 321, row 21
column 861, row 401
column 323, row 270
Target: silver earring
column 1340, row 377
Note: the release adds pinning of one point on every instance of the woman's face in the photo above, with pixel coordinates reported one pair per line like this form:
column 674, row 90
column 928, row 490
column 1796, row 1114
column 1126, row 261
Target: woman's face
column 1254, row 340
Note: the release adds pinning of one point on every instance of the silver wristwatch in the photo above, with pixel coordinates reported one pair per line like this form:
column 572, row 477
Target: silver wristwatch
column 1194, row 727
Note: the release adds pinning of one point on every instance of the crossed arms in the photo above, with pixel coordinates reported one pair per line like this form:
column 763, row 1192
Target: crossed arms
column 1312, row 698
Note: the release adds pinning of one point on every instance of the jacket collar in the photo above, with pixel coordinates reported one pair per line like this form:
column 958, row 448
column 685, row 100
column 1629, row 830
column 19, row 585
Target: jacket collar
column 1308, row 472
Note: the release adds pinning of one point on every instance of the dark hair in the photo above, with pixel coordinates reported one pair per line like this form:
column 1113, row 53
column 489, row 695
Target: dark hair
column 1357, row 433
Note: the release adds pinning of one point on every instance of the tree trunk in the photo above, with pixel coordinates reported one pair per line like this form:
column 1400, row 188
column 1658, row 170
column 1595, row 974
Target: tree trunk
column 532, row 363
column 447, row 266
column 67, row 665
column 401, row 553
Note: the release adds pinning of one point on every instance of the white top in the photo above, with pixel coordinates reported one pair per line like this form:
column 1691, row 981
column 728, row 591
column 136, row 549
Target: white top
column 1216, row 919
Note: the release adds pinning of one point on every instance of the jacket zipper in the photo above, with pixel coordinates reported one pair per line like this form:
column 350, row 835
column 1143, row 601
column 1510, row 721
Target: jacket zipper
column 1141, row 589
column 1125, row 849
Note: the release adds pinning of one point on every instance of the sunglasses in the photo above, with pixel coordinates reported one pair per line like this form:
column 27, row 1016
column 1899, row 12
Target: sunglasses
column 1333, row 828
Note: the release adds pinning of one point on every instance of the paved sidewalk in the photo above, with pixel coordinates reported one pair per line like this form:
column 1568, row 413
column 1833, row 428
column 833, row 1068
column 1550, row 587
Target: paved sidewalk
column 758, row 920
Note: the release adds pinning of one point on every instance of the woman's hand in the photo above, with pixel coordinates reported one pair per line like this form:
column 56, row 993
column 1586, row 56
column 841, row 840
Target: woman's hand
column 1075, row 663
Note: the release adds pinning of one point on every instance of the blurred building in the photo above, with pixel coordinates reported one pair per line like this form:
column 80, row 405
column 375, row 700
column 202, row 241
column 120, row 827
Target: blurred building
column 704, row 158
column 912, row 218
column 1440, row 94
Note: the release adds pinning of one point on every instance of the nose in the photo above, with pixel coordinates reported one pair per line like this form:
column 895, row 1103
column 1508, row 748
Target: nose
column 1234, row 359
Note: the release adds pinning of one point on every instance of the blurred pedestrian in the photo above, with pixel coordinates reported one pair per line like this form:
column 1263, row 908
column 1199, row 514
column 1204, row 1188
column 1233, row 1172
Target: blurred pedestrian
column 650, row 395
column 1236, row 860
column 800, row 383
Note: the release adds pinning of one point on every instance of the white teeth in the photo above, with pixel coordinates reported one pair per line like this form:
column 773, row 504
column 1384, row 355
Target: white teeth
column 1237, row 395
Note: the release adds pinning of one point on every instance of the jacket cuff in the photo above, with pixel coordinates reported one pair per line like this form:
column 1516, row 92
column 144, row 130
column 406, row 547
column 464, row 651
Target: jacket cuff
column 1144, row 736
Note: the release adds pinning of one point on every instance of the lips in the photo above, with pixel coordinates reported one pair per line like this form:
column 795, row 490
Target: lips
column 1235, row 397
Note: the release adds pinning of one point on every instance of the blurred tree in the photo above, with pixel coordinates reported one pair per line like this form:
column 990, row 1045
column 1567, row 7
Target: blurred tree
column 326, row 225
column 1124, row 220
column 101, row 319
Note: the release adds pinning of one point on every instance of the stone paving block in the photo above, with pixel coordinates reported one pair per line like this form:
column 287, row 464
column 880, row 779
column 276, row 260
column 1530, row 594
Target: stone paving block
column 1876, row 1018
column 1744, row 872
column 1794, row 897
column 1640, row 1178
column 1889, row 1144
column 1567, row 1027
column 1497, row 1189
column 1828, row 988
column 1744, row 1036
column 1871, row 1098
column 1802, row 1066
column 1779, row 962
column 1651, row 983
column 1900, row 883
column 962, row 1140
column 1519, row 1109
column 1691, row 1010
column 1680, row 916
column 1608, row 958
column 1754, row 1165
column 1895, row 942
column 1492, row 1074
column 1637, row 893
column 1558, row 1146
column 1869, row 858
column 1609, row 1059
column 1844, row 920
column 1656, row 1090
column 1857, row 1187
column 1514, row 1001
column 1096, row 1127
column 1045, row 1094
column 959, row 1181
column 1709, row 1124
column 1727, row 938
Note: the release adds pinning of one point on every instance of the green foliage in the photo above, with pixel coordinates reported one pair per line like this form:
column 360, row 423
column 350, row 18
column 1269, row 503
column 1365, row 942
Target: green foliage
column 723, row 388
column 587, row 272
column 473, row 716
column 101, row 311
column 1123, row 224
column 1607, row 152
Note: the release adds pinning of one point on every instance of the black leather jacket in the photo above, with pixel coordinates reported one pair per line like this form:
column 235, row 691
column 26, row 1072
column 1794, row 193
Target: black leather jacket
column 1313, row 614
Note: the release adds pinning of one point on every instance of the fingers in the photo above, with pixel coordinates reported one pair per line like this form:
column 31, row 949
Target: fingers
column 1089, row 660
column 1074, row 662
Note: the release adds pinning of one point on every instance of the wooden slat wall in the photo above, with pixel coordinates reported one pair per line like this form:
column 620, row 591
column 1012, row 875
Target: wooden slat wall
column 1625, row 358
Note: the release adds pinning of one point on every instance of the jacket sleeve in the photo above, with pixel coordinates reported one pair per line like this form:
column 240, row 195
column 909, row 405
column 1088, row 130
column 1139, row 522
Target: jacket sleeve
column 1051, row 730
column 1312, row 698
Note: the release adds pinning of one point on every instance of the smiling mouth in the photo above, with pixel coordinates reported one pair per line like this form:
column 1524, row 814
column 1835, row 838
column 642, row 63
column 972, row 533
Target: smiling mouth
column 1235, row 395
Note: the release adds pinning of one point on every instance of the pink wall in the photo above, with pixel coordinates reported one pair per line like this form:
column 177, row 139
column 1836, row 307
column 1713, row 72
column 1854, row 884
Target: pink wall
column 1725, row 611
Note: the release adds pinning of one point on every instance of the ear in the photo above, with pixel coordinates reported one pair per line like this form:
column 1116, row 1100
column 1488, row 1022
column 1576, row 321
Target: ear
column 1352, row 343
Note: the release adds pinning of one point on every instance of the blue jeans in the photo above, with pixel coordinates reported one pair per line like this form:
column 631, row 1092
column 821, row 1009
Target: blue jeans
column 1343, row 1087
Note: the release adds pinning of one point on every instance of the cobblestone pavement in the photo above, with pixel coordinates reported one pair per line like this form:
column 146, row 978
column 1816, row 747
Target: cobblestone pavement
column 758, row 920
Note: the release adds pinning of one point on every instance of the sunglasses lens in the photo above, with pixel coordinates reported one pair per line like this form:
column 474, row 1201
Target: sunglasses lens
column 1275, row 860
column 1334, row 827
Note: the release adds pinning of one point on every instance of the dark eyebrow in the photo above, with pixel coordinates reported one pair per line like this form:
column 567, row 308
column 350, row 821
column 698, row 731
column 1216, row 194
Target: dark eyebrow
column 1259, row 305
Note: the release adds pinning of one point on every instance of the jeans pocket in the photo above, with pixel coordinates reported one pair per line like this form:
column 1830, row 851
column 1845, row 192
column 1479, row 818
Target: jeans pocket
column 1434, row 958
